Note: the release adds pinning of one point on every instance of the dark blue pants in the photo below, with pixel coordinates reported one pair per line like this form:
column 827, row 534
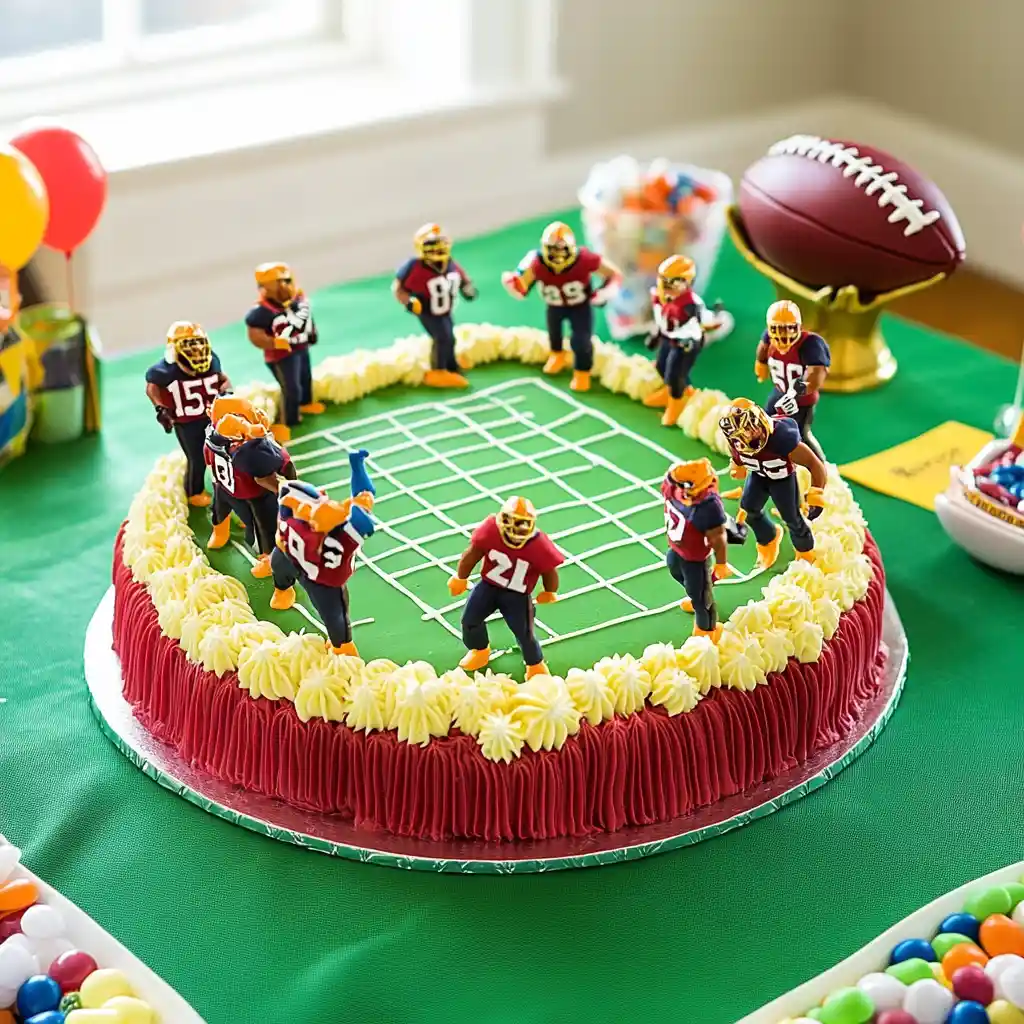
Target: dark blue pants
column 804, row 417
column 192, row 437
column 675, row 363
column 224, row 504
column 786, row 496
column 581, row 333
column 696, row 580
column 442, row 333
column 331, row 603
column 294, row 375
column 517, row 611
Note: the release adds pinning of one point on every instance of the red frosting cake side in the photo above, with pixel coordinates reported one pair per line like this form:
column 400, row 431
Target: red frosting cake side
column 635, row 770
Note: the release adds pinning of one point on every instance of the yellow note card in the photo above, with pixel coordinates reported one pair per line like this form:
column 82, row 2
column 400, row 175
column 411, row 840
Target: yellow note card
column 918, row 469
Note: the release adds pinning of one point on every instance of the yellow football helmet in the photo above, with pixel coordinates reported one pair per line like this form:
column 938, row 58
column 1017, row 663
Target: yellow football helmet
column 277, row 280
column 432, row 245
column 694, row 478
column 784, row 324
column 746, row 426
column 558, row 246
column 516, row 521
column 189, row 347
column 675, row 274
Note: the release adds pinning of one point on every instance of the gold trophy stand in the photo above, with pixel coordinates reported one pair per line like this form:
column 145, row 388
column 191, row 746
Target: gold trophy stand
column 861, row 359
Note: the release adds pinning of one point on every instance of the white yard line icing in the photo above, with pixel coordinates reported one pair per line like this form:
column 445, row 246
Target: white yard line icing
column 874, row 179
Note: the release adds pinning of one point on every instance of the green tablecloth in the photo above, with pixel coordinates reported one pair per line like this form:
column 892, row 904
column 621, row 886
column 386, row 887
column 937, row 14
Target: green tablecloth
column 250, row 930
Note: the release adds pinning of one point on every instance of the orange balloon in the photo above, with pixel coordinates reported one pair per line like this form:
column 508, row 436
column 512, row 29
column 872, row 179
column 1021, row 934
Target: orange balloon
column 17, row 895
column 963, row 954
column 1001, row 935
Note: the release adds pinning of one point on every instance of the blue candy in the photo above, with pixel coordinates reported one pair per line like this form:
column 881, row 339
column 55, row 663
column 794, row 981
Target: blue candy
column 1007, row 475
column 56, row 1017
column 909, row 949
column 962, row 924
column 963, row 1013
column 37, row 995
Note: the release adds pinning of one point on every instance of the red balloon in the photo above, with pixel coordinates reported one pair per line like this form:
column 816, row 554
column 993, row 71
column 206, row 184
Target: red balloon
column 75, row 181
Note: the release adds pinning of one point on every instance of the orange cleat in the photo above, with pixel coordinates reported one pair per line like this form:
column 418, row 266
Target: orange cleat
column 201, row 500
column 580, row 381
column 476, row 659
column 281, row 433
column 767, row 554
column 736, row 493
column 261, row 570
column 221, row 534
column 687, row 605
column 348, row 650
column 556, row 362
column 540, row 669
column 313, row 408
column 714, row 634
column 658, row 398
column 282, row 599
column 806, row 556
column 444, row 379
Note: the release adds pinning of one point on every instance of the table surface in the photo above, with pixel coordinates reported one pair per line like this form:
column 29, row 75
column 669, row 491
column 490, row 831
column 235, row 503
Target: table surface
column 249, row 930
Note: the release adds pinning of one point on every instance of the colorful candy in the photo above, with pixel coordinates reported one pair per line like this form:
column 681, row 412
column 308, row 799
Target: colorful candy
column 945, row 941
column 994, row 900
column 960, row 956
column 973, row 984
column 71, row 969
column 910, row 949
column 961, row 924
column 884, row 991
column 967, row 1013
column 846, row 1006
column 1011, row 985
column 909, row 971
column 131, row 1010
column 1000, row 935
column 1002, row 1012
column 103, row 985
column 896, row 1017
column 37, row 995
column 17, row 895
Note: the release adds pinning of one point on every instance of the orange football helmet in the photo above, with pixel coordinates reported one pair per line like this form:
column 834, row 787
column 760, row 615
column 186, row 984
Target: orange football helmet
column 432, row 245
column 694, row 478
column 277, row 282
column 516, row 521
column 675, row 275
column 235, row 405
column 558, row 246
column 784, row 324
column 747, row 427
column 313, row 506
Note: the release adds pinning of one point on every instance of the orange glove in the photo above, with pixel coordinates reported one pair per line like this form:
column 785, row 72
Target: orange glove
column 457, row 585
column 414, row 305
column 364, row 500
column 282, row 344
column 761, row 371
column 513, row 284
column 721, row 571
column 547, row 597
column 737, row 472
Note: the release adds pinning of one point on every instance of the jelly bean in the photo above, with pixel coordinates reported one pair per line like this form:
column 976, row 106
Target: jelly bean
column 10, row 924
column 17, row 964
column 909, row 971
column 17, row 894
column 6, row 1017
column 102, row 985
column 39, row 994
column 1002, row 1012
column 8, row 996
column 42, row 922
column 968, row 1012
column 928, row 1002
column 885, row 991
column 895, row 1017
column 10, row 857
column 131, row 1010
column 961, row 924
column 71, row 1001
column 940, row 976
column 994, row 900
column 960, row 956
column 1011, row 985
column 92, row 1016
column 70, row 970
column 815, row 1014
column 1000, row 935
column 998, row 966
column 48, row 950
column 847, row 1006
column 1017, row 918
column 945, row 941
column 1016, row 891
column 910, row 949
column 47, row 1017
column 972, row 983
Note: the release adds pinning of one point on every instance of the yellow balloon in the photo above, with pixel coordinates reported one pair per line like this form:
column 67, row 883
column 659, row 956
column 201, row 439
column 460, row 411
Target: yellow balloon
column 24, row 208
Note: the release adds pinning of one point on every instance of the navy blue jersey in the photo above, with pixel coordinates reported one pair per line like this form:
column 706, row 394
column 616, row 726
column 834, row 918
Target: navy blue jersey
column 236, row 467
column 294, row 322
column 773, row 460
column 187, row 395
column 786, row 368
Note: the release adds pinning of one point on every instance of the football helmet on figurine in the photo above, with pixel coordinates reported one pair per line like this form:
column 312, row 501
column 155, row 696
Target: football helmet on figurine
column 276, row 282
column 747, row 427
column 189, row 347
column 784, row 324
column 432, row 245
column 693, row 479
column 675, row 275
column 516, row 521
column 235, row 405
column 312, row 506
column 558, row 246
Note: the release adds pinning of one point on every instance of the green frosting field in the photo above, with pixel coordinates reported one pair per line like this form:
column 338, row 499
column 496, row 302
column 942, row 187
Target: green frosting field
column 591, row 464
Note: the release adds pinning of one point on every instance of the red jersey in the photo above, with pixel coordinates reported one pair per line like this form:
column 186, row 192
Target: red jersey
column 436, row 289
column 185, row 394
column 294, row 322
column 326, row 558
column 676, row 321
column 515, row 569
column 686, row 525
column 568, row 287
column 786, row 368
column 236, row 469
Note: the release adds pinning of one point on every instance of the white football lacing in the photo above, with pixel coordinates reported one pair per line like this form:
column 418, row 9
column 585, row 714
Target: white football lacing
column 868, row 175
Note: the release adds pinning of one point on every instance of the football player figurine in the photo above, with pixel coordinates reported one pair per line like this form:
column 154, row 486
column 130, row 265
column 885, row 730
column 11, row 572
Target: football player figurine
column 515, row 554
column 563, row 272
column 281, row 324
column 247, row 466
column 681, row 320
column 765, row 451
column 696, row 525
column 427, row 285
column 797, row 362
column 317, row 539
column 181, row 387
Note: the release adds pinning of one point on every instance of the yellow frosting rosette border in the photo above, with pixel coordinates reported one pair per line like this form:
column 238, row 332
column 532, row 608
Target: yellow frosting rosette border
column 208, row 613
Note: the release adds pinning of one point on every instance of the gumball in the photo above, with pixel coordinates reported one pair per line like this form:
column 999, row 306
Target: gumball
column 960, row 956
column 998, row 966
column 42, row 922
column 895, row 1017
column 847, row 1006
column 911, row 948
column 48, row 1017
column 11, row 924
column 999, row 935
column 71, row 1001
column 909, row 971
column 1002, row 1012
column 928, row 1002
column 961, row 924
column 10, row 857
column 8, row 997
column 69, row 970
column 945, row 941
column 994, row 900
column 103, row 985
column 1011, row 985
column 17, row 964
column 39, row 994
column 1016, row 891
column 967, row 1013
column 131, row 1010
column 940, row 976
column 17, row 894
column 973, row 984
column 48, row 950
column 884, row 991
